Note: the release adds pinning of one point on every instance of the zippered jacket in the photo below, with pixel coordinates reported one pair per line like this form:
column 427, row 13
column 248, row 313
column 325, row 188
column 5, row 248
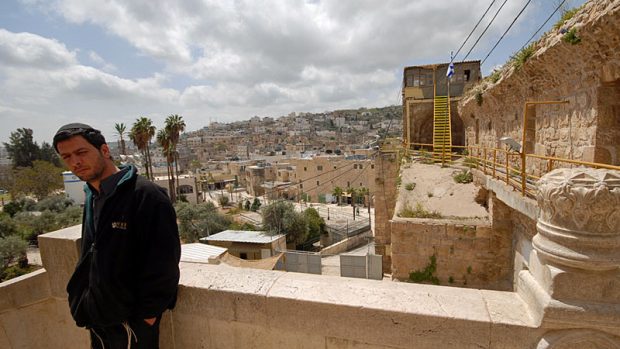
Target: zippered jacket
column 129, row 264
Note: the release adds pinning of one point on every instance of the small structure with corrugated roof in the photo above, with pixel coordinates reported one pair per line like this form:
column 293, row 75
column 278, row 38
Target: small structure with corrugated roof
column 247, row 244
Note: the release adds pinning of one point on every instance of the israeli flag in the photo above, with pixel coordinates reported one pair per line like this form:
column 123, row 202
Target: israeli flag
column 450, row 71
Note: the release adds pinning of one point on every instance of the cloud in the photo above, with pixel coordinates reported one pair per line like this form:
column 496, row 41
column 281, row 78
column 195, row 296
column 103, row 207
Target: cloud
column 98, row 60
column 237, row 58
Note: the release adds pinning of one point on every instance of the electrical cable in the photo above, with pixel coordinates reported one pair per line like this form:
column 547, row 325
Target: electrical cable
column 507, row 30
column 485, row 30
column 472, row 31
column 548, row 19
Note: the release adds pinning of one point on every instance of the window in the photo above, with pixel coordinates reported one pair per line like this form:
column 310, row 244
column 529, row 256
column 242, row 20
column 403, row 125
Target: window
column 319, row 168
column 372, row 166
column 334, row 167
column 305, row 169
column 348, row 184
column 301, row 186
column 361, row 166
column 467, row 74
column 243, row 255
column 355, row 166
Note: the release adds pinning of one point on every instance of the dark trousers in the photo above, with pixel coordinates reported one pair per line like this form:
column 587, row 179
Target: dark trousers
column 118, row 336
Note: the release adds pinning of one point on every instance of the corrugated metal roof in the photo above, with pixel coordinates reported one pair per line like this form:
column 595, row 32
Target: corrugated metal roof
column 257, row 237
column 198, row 252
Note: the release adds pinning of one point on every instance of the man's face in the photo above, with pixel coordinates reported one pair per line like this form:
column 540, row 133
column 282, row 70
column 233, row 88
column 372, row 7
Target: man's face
column 83, row 159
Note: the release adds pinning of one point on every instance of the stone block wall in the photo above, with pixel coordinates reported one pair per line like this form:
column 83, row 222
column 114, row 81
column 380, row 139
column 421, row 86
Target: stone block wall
column 586, row 75
column 467, row 255
column 386, row 171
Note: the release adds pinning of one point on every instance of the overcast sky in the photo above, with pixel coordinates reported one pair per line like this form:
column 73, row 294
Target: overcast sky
column 106, row 62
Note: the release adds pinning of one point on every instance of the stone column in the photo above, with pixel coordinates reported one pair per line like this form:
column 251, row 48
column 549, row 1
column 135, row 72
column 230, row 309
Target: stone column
column 573, row 284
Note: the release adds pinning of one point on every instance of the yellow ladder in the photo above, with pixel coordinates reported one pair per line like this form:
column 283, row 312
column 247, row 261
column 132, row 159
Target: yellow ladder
column 442, row 135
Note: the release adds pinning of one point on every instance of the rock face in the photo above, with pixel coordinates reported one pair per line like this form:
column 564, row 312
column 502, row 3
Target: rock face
column 586, row 74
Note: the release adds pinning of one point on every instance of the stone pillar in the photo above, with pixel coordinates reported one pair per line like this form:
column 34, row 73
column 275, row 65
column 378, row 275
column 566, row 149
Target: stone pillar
column 386, row 173
column 573, row 284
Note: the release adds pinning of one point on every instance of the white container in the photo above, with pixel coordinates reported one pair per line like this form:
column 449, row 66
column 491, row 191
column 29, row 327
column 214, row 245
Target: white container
column 74, row 187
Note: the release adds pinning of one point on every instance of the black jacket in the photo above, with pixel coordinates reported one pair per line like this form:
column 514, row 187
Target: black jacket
column 131, row 267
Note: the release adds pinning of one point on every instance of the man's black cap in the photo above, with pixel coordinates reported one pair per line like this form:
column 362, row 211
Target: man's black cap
column 67, row 131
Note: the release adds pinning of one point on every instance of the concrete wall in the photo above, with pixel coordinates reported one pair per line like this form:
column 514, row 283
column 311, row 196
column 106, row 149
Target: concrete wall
column 347, row 244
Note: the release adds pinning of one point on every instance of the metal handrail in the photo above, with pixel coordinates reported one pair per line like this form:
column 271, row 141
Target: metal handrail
column 489, row 161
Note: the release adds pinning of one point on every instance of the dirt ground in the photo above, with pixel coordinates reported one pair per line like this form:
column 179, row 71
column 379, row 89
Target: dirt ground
column 436, row 190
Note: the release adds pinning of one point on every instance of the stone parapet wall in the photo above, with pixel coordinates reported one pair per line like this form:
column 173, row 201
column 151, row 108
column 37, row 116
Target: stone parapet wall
column 226, row 307
column 587, row 75
column 470, row 255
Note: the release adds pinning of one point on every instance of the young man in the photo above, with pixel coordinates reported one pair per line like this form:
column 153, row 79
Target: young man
column 128, row 271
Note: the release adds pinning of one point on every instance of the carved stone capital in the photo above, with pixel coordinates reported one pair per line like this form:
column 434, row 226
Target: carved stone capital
column 579, row 222
column 578, row 339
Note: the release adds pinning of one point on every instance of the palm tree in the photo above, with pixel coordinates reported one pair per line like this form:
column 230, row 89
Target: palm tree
column 338, row 193
column 363, row 192
column 175, row 125
column 141, row 134
column 163, row 138
column 353, row 192
column 121, row 130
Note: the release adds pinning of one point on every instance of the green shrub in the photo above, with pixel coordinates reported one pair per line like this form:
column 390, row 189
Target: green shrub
column 495, row 76
column 463, row 177
column 522, row 56
column 571, row 37
column 566, row 16
column 418, row 212
column 410, row 186
column 426, row 275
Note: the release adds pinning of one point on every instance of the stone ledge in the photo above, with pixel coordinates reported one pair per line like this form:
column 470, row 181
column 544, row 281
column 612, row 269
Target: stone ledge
column 508, row 195
column 362, row 311
column 24, row 290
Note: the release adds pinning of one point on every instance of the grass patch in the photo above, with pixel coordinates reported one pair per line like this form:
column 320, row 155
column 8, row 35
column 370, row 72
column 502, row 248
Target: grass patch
column 418, row 212
column 495, row 76
column 566, row 16
column 470, row 162
column 463, row 177
column 571, row 37
column 522, row 56
column 410, row 186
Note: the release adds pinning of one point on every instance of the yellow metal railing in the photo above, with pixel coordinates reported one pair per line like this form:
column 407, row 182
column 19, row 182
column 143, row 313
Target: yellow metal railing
column 516, row 170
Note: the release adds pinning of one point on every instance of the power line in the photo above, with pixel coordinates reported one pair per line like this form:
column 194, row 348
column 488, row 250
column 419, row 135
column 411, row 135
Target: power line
column 548, row 19
column 472, row 31
column 507, row 30
column 485, row 30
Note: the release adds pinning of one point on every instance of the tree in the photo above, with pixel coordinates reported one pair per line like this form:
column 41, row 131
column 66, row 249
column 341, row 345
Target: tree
column 121, row 131
column 141, row 134
column 280, row 217
column 40, row 180
column 353, row 192
column 22, row 149
column 48, row 153
column 163, row 138
column 338, row 194
column 316, row 223
column 363, row 192
column 175, row 125
column 255, row 205
column 7, row 225
column 11, row 249
column 197, row 221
